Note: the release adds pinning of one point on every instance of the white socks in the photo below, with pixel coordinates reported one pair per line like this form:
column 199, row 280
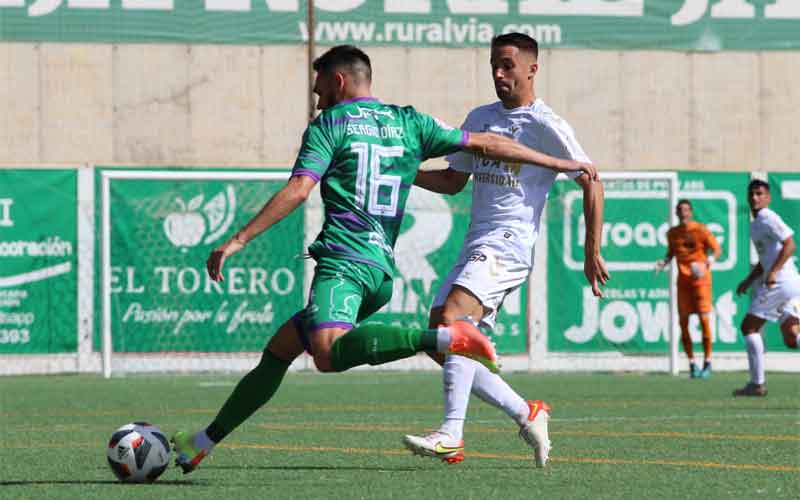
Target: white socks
column 458, row 376
column 462, row 376
column 491, row 388
column 442, row 339
column 755, row 357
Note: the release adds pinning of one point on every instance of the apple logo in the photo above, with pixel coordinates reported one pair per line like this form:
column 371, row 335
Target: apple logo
column 198, row 223
column 186, row 227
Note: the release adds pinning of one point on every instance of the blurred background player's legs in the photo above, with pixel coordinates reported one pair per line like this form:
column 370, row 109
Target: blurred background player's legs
column 695, row 300
column 705, row 324
column 751, row 329
column 704, row 307
column 688, row 348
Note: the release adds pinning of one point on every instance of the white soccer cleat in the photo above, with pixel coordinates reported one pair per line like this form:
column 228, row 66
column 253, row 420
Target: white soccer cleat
column 534, row 432
column 436, row 445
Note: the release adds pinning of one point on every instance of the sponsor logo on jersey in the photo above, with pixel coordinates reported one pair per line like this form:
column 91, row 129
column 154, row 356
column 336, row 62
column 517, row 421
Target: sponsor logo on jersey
column 477, row 257
column 370, row 113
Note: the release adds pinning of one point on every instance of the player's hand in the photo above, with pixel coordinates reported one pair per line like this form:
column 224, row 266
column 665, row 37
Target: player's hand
column 742, row 288
column 588, row 169
column 578, row 166
column 594, row 267
column 771, row 279
column 217, row 258
column 660, row 265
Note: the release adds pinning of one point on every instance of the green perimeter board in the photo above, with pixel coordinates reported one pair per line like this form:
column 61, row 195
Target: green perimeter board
column 634, row 317
column 595, row 24
column 162, row 299
column 158, row 265
column 38, row 261
column 785, row 189
column 719, row 202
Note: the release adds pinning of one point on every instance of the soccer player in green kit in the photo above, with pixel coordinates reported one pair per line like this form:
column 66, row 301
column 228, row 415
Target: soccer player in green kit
column 366, row 155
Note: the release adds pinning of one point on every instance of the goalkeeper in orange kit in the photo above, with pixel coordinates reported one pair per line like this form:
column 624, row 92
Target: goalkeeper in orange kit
column 689, row 242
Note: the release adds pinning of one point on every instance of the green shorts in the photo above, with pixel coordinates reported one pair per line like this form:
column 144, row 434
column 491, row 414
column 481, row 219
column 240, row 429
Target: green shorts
column 343, row 293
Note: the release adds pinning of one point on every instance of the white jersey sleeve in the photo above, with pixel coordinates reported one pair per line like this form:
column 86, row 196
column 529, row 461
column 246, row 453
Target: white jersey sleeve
column 558, row 139
column 768, row 232
column 778, row 229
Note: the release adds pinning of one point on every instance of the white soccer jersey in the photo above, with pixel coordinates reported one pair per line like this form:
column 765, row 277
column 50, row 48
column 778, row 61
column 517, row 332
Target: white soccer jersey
column 507, row 199
column 507, row 203
column 768, row 232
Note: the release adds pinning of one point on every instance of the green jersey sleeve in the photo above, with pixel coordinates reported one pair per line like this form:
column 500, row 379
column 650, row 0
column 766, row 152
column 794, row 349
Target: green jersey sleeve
column 318, row 148
column 437, row 138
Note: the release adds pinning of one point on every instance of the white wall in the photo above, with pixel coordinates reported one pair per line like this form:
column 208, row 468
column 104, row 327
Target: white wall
column 246, row 105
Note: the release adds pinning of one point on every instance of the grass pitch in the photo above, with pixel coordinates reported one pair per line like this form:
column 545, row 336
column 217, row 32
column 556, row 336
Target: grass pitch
column 338, row 436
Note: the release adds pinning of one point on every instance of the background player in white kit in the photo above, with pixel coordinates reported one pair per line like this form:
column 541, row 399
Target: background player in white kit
column 776, row 296
column 497, row 255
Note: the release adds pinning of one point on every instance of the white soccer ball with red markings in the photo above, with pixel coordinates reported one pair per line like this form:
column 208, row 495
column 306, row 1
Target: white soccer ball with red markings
column 138, row 453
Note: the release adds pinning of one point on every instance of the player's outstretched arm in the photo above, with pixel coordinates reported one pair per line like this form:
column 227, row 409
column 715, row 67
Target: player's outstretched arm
column 594, row 267
column 502, row 148
column 282, row 203
column 447, row 181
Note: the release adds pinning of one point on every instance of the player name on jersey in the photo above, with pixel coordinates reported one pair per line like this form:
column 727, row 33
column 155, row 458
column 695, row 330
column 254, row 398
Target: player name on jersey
column 382, row 132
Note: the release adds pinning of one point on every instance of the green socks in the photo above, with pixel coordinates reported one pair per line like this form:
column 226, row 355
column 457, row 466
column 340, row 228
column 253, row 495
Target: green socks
column 376, row 344
column 252, row 392
column 372, row 344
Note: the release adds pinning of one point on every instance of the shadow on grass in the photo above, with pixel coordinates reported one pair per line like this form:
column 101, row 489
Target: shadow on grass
column 427, row 467
column 110, row 481
column 313, row 467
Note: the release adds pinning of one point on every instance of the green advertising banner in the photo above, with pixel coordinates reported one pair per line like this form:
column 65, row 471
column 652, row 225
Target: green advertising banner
column 162, row 231
column 719, row 202
column 635, row 316
column 608, row 24
column 38, row 261
column 785, row 189
column 430, row 242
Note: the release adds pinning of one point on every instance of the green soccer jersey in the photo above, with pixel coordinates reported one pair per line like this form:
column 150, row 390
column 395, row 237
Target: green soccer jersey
column 366, row 154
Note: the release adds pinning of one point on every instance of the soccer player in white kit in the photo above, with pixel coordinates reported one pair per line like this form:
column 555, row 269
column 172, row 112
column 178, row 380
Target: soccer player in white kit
column 776, row 294
column 497, row 255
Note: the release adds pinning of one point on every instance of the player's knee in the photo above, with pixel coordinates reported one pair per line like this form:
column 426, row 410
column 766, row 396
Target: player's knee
column 790, row 334
column 746, row 329
column 322, row 360
column 435, row 318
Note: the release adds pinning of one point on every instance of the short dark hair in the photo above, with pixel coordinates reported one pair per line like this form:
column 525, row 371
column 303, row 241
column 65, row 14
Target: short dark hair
column 757, row 183
column 521, row 41
column 684, row 201
column 348, row 58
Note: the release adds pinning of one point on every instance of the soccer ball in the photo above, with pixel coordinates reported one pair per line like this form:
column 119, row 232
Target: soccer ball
column 138, row 453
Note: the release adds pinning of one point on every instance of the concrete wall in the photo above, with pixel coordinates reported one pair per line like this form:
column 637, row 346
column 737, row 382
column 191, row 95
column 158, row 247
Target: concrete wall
column 246, row 105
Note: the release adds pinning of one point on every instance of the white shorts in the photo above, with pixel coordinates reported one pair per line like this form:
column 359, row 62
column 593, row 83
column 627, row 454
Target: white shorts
column 778, row 303
column 487, row 275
